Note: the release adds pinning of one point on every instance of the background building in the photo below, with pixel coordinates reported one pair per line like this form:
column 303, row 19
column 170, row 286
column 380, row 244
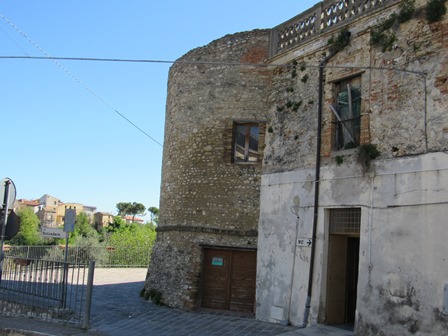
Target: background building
column 103, row 219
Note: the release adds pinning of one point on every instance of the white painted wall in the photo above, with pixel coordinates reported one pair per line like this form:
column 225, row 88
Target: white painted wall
column 403, row 247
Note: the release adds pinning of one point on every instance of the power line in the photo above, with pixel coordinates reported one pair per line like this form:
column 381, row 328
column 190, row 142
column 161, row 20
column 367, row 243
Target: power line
column 89, row 59
column 264, row 65
column 194, row 62
column 73, row 76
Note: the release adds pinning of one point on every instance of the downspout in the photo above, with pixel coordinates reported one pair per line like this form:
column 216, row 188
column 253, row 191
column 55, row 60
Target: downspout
column 338, row 44
column 316, row 188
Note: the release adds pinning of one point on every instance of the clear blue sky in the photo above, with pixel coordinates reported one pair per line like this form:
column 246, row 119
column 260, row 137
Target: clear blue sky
column 59, row 134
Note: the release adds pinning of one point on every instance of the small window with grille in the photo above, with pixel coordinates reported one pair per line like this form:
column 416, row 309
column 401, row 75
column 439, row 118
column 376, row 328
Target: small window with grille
column 347, row 113
column 345, row 221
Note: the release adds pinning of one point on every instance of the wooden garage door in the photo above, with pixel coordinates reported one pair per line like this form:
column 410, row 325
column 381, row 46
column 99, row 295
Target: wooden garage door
column 229, row 280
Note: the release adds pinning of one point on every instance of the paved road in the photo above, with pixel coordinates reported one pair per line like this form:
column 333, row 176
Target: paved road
column 118, row 308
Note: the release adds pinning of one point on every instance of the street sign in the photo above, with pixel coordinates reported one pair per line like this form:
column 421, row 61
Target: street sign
column 69, row 220
column 304, row 242
column 48, row 232
column 11, row 193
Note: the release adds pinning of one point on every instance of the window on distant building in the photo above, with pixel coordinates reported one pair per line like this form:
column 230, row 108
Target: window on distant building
column 347, row 113
column 246, row 142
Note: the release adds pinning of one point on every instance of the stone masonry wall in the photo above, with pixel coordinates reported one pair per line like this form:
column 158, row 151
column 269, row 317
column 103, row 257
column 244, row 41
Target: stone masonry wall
column 402, row 112
column 205, row 198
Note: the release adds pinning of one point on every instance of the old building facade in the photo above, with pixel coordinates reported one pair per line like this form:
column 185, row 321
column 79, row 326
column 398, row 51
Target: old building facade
column 371, row 233
column 347, row 211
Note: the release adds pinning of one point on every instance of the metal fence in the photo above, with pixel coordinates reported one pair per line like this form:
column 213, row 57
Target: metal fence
column 125, row 256
column 46, row 289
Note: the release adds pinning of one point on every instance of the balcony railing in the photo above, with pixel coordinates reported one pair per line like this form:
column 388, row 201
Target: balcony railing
column 320, row 18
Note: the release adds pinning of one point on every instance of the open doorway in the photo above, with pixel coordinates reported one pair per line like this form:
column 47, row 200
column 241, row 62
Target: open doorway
column 343, row 262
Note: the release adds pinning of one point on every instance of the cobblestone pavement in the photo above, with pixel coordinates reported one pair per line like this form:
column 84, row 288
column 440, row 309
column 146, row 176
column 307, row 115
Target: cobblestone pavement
column 118, row 309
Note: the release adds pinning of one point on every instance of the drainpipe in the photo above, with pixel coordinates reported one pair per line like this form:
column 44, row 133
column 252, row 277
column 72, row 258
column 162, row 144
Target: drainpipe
column 316, row 188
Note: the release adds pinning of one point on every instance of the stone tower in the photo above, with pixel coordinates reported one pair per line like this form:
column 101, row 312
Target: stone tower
column 209, row 207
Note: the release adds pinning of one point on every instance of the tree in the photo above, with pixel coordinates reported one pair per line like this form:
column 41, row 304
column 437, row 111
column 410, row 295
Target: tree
column 154, row 214
column 132, row 244
column 127, row 208
column 83, row 228
column 123, row 208
column 137, row 209
column 29, row 229
column 117, row 225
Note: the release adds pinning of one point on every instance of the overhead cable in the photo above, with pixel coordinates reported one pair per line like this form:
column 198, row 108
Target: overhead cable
column 193, row 62
column 73, row 76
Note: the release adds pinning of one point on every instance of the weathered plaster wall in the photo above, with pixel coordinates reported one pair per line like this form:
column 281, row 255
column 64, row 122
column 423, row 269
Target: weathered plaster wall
column 205, row 198
column 402, row 276
column 403, row 255
column 286, row 214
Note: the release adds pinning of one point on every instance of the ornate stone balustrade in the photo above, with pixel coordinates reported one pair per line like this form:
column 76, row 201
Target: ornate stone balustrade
column 320, row 18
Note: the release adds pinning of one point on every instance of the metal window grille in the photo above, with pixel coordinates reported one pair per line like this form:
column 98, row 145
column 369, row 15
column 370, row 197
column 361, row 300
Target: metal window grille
column 345, row 221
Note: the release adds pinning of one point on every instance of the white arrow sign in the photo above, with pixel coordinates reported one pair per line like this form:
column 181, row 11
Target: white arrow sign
column 305, row 242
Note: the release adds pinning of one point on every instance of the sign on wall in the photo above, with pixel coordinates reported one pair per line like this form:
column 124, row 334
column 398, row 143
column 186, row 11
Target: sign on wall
column 217, row 261
column 304, row 242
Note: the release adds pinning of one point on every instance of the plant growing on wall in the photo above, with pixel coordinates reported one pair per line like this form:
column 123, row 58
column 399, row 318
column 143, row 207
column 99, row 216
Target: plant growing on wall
column 380, row 36
column 291, row 104
column 435, row 10
column 366, row 153
column 407, row 9
column 339, row 42
column 294, row 69
column 151, row 294
column 339, row 160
